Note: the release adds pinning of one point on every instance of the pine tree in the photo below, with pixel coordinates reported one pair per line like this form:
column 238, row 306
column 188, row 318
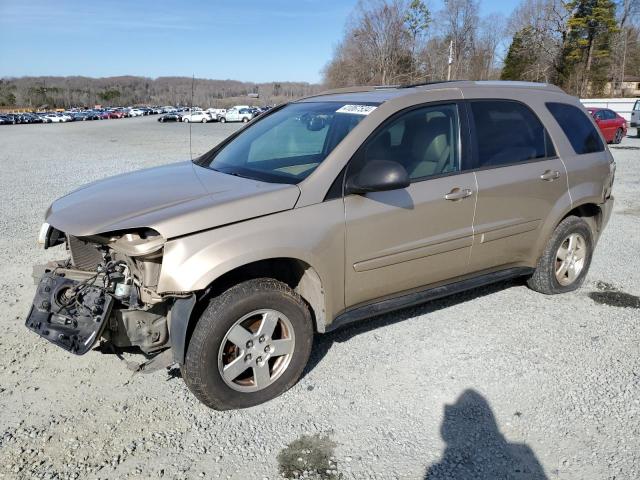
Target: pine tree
column 585, row 56
column 518, row 60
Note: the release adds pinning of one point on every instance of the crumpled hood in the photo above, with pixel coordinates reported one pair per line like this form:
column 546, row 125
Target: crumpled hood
column 174, row 200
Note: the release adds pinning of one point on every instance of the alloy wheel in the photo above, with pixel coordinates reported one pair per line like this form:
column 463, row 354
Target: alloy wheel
column 570, row 259
column 256, row 350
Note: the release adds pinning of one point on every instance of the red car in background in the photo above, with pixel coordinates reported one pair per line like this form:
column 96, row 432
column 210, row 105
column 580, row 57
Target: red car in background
column 612, row 125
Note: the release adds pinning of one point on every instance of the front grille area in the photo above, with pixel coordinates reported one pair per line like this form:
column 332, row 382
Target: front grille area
column 84, row 256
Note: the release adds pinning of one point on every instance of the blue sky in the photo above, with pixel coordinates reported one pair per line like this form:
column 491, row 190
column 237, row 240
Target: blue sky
column 250, row 40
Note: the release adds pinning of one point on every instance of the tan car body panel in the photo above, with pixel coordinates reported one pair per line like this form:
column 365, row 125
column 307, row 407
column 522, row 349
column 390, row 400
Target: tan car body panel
column 363, row 248
column 388, row 251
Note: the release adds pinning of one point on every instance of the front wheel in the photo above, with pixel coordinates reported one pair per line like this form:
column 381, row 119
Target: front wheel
column 245, row 120
column 222, row 120
column 565, row 261
column 250, row 345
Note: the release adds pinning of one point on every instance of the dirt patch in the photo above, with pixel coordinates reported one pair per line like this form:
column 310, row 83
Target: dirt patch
column 311, row 457
column 610, row 295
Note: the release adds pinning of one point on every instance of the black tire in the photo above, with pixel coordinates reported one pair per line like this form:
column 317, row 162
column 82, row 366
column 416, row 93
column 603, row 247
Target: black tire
column 200, row 370
column 222, row 120
column 618, row 136
column 245, row 120
column 544, row 278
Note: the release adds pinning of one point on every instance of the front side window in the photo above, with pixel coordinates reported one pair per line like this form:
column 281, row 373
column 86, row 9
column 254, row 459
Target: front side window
column 576, row 126
column 287, row 145
column 508, row 132
column 425, row 141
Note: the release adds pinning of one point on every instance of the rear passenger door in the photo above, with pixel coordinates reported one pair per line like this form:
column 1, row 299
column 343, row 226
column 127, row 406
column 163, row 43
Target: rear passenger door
column 520, row 180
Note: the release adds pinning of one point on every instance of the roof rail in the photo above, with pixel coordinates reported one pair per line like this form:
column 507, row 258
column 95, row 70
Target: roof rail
column 435, row 82
column 355, row 89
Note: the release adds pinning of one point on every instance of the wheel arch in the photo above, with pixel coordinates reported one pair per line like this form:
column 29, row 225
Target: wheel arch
column 587, row 210
column 298, row 274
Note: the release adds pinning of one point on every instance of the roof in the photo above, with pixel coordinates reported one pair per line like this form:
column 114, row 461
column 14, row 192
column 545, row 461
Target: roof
column 381, row 94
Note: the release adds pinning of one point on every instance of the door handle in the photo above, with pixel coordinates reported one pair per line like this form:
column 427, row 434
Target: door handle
column 458, row 194
column 550, row 175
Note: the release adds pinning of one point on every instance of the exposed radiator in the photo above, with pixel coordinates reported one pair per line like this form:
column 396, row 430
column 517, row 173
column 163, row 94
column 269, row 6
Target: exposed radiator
column 84, row 256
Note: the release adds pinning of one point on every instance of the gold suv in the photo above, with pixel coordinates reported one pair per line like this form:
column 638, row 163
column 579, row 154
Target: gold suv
column 319, row 213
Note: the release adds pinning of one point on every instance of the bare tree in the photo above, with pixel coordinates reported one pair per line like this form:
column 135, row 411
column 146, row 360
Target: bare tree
column 461, row 20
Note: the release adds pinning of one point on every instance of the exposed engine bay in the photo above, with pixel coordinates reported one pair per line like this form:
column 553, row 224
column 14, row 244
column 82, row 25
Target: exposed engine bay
column 105, row 290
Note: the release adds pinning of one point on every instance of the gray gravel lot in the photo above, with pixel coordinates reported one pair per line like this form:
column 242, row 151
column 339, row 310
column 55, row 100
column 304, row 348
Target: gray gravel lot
column 499, row 382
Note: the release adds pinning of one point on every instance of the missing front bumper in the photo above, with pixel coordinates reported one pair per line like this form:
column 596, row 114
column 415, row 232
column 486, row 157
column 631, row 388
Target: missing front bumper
column 69, row 313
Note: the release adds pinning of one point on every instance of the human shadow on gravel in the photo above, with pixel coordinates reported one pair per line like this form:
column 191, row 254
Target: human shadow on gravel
column 322, row 343
column 476, row 449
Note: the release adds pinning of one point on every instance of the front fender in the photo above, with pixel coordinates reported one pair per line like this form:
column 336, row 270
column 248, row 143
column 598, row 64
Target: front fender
column 313, row 234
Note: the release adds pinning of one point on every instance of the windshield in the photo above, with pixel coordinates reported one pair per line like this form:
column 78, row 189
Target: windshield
column 287, row 145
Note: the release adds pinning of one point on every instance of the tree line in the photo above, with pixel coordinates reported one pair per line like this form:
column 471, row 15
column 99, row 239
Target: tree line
column 65, row 92
column 583, row 46
column 580, row 45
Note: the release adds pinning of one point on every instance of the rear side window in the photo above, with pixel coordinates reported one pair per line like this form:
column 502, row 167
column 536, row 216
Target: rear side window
column 576, row 126
column 508, row 132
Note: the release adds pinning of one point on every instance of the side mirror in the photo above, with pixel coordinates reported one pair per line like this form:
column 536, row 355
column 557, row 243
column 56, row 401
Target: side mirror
column 378, row 176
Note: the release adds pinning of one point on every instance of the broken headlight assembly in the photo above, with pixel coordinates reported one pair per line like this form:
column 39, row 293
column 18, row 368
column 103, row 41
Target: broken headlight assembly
column 106, row 289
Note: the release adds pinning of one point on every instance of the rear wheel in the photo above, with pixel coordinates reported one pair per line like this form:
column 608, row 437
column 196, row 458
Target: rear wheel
column 204, row 120
column 185, row 120
column 250, row 345
column 565, row 261
column 245, row 120
column 618, row 136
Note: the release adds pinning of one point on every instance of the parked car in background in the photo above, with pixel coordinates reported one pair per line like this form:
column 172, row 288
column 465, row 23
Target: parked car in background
column 635, row 117
column 237, row 114
column 216, row 113
column 197, row 117
column 135, row 112
column 92, row 115
column 612, row 126
column 170, row 117
column 54, row 118
column 79, row 116
column 33, row 118
column 6, row 120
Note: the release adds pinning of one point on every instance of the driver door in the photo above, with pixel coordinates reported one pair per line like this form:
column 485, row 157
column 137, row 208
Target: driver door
column 406, row 239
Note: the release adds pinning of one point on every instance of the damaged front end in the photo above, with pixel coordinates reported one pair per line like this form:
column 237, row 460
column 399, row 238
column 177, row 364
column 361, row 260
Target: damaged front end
column 106, row 289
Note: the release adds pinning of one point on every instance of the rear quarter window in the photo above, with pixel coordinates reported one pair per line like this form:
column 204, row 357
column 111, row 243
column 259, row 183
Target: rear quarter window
column 577, row 127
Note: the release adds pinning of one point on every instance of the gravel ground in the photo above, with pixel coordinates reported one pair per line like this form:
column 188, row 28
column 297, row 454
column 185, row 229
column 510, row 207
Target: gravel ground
column 499, row 382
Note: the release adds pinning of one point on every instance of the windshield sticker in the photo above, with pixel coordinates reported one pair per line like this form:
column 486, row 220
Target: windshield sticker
column 357, row 109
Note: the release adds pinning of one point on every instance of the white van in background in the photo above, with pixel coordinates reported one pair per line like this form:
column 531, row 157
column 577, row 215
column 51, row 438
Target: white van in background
column 635, row 117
